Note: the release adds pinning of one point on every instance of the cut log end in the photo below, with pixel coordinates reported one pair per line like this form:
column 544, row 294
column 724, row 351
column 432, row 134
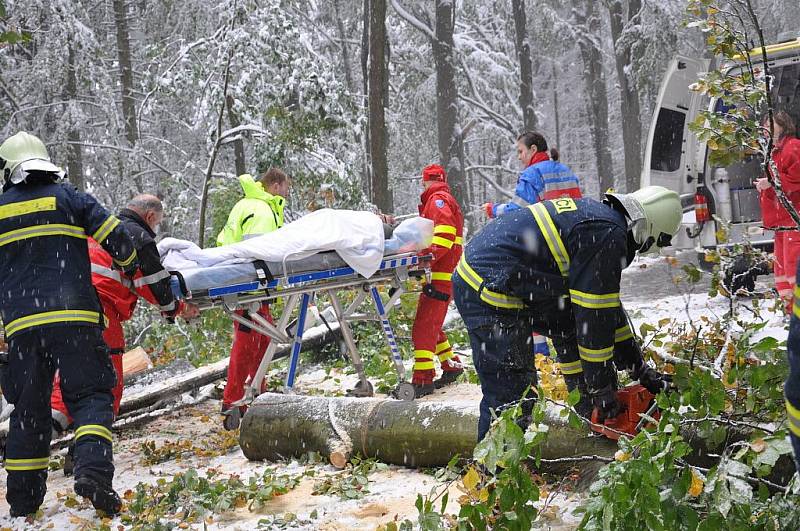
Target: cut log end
column 339, row 454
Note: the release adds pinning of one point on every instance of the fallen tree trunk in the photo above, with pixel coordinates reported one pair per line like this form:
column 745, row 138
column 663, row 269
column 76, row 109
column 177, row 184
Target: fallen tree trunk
column 416, row 434
column 182, row 383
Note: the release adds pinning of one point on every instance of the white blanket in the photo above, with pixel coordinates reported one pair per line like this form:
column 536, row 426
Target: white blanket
column 356, row 236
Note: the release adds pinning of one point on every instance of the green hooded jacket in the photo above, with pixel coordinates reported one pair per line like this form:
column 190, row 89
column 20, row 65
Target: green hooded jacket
column 259, row 212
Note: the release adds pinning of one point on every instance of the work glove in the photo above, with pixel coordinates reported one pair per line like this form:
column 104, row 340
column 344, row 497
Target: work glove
column 606, row 403
column 488, row 208
column 652, row 380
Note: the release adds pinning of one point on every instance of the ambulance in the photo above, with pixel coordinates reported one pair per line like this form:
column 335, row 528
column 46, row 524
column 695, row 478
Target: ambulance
column 674, row 157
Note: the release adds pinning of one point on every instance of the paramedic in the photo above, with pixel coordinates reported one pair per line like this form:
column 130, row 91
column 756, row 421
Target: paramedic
column 554, row 268
column 119, row 294
column 792, row 385
column 259, row 212
column 438, row 205
column 53, row 320
column 543, row 178
column 786, row 155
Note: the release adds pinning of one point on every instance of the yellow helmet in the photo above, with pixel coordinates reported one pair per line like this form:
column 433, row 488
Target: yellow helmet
column 23, row 153
column 655, row 215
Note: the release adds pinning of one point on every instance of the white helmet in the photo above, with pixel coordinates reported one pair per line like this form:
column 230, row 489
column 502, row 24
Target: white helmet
column 655, row 216
column 24, row 153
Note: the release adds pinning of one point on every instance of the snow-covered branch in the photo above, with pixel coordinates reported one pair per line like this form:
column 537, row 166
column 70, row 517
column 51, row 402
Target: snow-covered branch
column 414, row 21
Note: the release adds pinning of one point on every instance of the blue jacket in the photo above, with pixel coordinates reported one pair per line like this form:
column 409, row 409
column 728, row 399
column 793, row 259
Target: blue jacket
column 45, row 274
column 548, row 179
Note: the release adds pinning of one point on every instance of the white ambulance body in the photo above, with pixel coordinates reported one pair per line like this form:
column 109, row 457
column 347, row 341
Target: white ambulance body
column 676, row 159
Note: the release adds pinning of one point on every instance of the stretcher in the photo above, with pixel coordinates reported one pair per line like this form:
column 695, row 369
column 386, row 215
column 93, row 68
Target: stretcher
column 299, row 283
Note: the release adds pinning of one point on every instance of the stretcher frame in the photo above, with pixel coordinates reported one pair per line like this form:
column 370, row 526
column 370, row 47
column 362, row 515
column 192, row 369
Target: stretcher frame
column 299, row 291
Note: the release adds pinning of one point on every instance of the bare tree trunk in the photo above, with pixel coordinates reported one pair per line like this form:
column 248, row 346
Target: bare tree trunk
column 595, row 82
column 556, row 116
column 378, row 73
column 523, row 46
column 629, row 95
column 451, row 147
column 238, row 145
column 366, row 179
column 348, row 73
column 126, row 79
column 74, row 149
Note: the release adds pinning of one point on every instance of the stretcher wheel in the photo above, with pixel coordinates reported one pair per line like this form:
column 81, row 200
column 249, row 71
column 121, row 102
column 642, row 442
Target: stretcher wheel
column 361, row 390
column 405, row 391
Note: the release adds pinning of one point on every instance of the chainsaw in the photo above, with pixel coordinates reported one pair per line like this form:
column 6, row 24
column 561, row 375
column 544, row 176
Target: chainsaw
column 636, row 401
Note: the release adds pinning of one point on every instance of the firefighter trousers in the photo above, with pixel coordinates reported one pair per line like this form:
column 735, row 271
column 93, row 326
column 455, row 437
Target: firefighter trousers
column 247, row 352
column 87, row 377
column 112, row 336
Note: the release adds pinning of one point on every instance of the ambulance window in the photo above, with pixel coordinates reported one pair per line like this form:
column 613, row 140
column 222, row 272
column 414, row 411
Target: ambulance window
column 668, row 140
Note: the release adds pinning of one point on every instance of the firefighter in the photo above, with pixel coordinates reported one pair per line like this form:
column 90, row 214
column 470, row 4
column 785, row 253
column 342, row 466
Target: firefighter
column 119, row 294
column 544, row 177
column 792, row 385
column 554, row 268
column 438, row 205
column 53, row 320
column 259, row 212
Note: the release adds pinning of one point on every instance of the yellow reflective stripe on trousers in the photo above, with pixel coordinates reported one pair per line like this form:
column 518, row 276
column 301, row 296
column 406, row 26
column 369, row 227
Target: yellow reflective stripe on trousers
column 551, row 236
column 36, row 231
column 596, row 355
column 594, row 301
column 444, row 229
column 447, row 277
column 423, row 360
column 20, row 465
column 20, row 208
column 441, row 347
column 459, row 240
column 572, row 367
column 488, row 296
column 442, row 242
column 105, row 229
column 93, row 429
column 58, row 316
column 623, row 333
column 794, row 418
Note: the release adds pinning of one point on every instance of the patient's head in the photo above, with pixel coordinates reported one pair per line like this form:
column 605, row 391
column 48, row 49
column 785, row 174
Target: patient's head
column 149, row 208
column 276, row 182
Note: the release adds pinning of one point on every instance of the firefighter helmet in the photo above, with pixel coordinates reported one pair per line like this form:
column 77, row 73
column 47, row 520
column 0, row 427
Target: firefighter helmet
column 655, row 215
column 23, row 153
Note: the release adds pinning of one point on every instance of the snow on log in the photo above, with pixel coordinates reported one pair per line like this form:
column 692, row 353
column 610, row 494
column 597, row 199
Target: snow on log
column 414, row 434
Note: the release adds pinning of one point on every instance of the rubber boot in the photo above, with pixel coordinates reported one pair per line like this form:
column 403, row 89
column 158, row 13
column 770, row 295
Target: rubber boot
column 103, row 498
column 584, row 406
column 231, row 417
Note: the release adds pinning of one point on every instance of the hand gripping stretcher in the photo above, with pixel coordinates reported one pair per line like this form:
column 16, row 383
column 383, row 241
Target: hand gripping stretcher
column 299, row 283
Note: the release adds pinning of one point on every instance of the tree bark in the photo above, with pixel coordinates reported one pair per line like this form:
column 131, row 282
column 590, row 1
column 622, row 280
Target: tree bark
column 594, row 79
column 378, row 137
column 238, row 145
column 523, row 47
column 125, row 71
column 74, row 149
column 629, row 94
column 450, row 138
column 346, row 63
column 414, row 434
column 366, row 177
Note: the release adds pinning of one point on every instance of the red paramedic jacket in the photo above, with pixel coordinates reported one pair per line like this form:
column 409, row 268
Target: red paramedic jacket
column 439, row 205
column 787, row 159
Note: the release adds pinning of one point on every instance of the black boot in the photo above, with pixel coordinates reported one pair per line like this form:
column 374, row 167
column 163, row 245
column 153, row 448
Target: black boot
column 421, row 390
column 103, row 498
column 231, row 418
column 584, row 406
column 447, row 378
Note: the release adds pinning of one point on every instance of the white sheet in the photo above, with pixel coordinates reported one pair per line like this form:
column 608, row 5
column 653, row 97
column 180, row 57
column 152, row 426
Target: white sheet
column 356, row 236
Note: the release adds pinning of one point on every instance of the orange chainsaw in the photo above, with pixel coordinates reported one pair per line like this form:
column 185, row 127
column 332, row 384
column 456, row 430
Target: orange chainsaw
column 635, row 400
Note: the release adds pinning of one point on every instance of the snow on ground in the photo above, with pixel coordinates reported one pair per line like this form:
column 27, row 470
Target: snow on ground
column 652, row 289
